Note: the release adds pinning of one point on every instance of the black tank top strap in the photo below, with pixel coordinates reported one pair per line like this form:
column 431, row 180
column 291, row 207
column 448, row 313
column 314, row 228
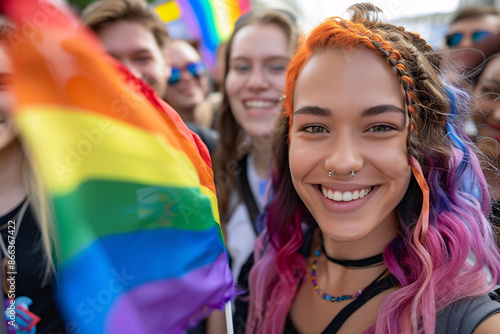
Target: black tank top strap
column 371, row 291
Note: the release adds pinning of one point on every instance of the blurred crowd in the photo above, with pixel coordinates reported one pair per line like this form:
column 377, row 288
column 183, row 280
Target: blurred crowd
column 233, row 108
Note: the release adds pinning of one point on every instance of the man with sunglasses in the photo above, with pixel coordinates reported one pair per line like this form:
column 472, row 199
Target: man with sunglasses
column 188, row 84
column 469, row 31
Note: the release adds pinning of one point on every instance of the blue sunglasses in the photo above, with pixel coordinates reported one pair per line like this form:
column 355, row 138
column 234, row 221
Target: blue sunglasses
column 197, row 70
column 453, row 40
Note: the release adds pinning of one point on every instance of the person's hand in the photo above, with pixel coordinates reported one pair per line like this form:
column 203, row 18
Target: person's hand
column 26, row 321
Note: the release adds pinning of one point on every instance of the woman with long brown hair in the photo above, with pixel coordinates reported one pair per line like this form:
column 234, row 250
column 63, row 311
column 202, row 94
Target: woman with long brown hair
column 257, row 56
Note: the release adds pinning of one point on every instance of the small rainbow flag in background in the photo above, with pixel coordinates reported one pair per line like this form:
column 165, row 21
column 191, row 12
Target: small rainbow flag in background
column 208, row 21
column 132, row 188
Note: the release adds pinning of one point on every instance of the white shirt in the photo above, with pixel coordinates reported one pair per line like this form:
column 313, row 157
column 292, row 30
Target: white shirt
column 239, row 230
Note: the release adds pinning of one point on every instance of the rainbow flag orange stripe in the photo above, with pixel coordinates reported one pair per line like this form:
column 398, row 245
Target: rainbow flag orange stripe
column 132, row 187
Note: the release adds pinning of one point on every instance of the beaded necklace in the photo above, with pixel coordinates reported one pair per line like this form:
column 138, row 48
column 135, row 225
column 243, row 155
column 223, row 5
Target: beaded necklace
column 328, row 297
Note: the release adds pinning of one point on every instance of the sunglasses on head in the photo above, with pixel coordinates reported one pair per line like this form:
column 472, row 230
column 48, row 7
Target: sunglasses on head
column 197, row 70
column 453, row 40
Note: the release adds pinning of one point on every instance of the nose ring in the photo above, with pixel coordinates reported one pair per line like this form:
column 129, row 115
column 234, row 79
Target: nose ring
column 330, row 173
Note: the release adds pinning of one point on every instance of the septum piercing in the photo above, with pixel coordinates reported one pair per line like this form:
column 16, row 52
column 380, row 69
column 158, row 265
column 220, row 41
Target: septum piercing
column 330, row 173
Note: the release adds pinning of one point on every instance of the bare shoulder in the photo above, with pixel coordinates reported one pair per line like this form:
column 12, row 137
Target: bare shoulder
column 489, row 326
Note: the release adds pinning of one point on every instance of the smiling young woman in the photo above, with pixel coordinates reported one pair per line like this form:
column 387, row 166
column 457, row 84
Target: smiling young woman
column 257, row 55
column 379, row 210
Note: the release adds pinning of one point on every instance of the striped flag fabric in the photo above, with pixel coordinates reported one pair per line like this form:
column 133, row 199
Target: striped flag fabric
column 208, row 21
column 131, row 187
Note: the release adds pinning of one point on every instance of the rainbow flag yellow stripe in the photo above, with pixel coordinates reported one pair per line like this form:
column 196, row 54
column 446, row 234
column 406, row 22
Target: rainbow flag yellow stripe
column 99, row 148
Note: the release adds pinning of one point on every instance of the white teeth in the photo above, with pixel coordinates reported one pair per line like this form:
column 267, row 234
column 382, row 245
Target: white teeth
column 355, row 194
column 337, row 196
column 345, row 196
column 259, row 104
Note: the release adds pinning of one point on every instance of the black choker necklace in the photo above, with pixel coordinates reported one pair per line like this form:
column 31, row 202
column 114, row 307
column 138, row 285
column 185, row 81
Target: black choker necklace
column 369, row 262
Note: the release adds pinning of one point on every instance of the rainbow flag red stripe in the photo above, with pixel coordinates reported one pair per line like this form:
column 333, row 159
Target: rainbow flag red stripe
column 132, row 187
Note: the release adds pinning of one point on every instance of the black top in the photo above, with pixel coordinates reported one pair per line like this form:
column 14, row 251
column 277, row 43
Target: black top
column 241, row 303
column 30, row 271
column 495, row 221
column 208, row 136
column 465, row 315
column 495, row 214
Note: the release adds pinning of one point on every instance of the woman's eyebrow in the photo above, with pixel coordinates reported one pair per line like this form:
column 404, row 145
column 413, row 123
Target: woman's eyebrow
column 380, row 109
column 267, row 58
column 313, row 110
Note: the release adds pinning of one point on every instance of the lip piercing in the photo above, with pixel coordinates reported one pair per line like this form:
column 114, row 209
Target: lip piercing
column 352, row 174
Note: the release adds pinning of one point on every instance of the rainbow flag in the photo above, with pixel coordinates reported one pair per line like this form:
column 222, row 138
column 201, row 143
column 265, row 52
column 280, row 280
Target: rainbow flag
column 208, row 21
column 131, row 187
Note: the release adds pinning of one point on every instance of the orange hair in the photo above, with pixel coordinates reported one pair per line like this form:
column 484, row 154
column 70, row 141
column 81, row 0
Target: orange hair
column 336, row 33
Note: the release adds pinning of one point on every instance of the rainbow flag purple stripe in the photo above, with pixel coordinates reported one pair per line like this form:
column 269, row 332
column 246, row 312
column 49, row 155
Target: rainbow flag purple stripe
column 131, row 187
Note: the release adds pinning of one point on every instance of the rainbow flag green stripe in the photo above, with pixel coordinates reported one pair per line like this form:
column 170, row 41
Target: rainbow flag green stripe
column 121, row 207
column 89, row 166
